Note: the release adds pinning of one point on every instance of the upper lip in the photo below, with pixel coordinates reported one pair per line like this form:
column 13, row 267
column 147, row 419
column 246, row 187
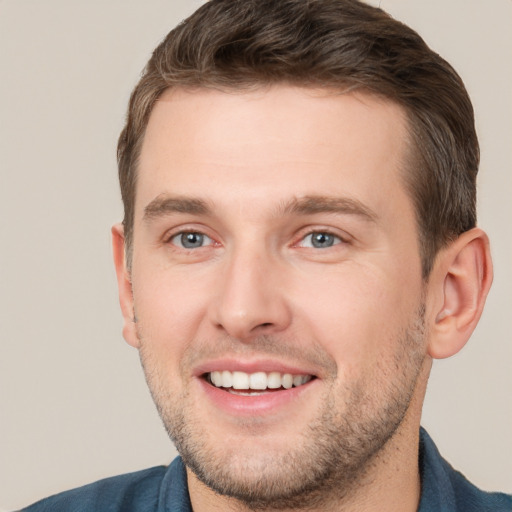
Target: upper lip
column 251, row 366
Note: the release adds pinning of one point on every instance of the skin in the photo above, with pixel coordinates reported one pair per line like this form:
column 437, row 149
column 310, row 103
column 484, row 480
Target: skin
column 257, row 173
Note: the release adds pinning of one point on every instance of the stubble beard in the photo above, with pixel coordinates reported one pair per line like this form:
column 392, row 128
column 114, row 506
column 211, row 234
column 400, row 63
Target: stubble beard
column 331, row 460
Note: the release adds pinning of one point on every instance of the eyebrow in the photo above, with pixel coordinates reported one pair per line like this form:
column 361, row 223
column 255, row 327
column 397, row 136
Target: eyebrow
column 164, row 205
column 309, row 205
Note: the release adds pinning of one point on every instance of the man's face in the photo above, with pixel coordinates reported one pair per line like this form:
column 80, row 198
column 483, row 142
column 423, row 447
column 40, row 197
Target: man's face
column 275, row 246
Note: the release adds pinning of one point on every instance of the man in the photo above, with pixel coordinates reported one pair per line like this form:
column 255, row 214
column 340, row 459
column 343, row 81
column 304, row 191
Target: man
column 299, row 243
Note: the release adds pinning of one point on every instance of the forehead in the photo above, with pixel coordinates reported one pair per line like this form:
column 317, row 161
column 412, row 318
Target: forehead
column 270, row 144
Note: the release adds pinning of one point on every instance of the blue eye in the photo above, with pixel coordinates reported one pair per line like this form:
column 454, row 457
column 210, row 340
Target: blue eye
column 320, row 240
column 190, row 240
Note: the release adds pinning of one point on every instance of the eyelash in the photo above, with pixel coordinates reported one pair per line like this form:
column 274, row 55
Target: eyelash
column 337, row 239
column 187, row 233
column 326, row 233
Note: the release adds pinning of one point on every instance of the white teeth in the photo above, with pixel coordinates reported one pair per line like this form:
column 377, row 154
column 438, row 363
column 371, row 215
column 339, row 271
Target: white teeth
column 257, row 381
column 297, row 380
column 287, row 381
column 274, row 380
column 227, row 379
column 240, row 380
column 216, row 378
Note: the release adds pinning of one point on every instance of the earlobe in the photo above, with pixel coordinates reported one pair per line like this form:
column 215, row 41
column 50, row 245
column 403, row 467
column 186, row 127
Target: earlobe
column 124, row 286
column 461, row 278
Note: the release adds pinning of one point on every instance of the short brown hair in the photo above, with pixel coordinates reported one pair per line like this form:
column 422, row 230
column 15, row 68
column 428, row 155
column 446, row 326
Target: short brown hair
column 239, row 44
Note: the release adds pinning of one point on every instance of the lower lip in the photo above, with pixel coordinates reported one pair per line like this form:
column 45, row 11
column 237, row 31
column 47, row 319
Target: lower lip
column 254, row 404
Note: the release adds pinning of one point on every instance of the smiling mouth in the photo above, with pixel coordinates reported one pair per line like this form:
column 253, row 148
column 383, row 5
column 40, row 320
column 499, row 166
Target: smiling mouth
column 258, row 383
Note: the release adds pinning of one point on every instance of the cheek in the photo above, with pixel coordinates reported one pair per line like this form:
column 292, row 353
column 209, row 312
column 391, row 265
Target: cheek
column 169, row 307
column 357, row 316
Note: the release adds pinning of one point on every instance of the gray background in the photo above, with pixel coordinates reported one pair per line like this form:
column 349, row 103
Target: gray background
column 73, row 402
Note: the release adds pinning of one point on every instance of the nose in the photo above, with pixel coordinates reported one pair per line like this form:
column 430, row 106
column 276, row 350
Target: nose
column 251, row 299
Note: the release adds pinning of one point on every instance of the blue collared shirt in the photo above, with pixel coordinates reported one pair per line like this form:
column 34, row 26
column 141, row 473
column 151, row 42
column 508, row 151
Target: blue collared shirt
column 165, row 489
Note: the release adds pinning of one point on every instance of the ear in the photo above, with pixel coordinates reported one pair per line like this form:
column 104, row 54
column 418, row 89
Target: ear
column 124, row 285
column 460, row 281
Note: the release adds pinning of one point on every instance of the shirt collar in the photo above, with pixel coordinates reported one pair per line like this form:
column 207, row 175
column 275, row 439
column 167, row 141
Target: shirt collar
column 437, row 492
